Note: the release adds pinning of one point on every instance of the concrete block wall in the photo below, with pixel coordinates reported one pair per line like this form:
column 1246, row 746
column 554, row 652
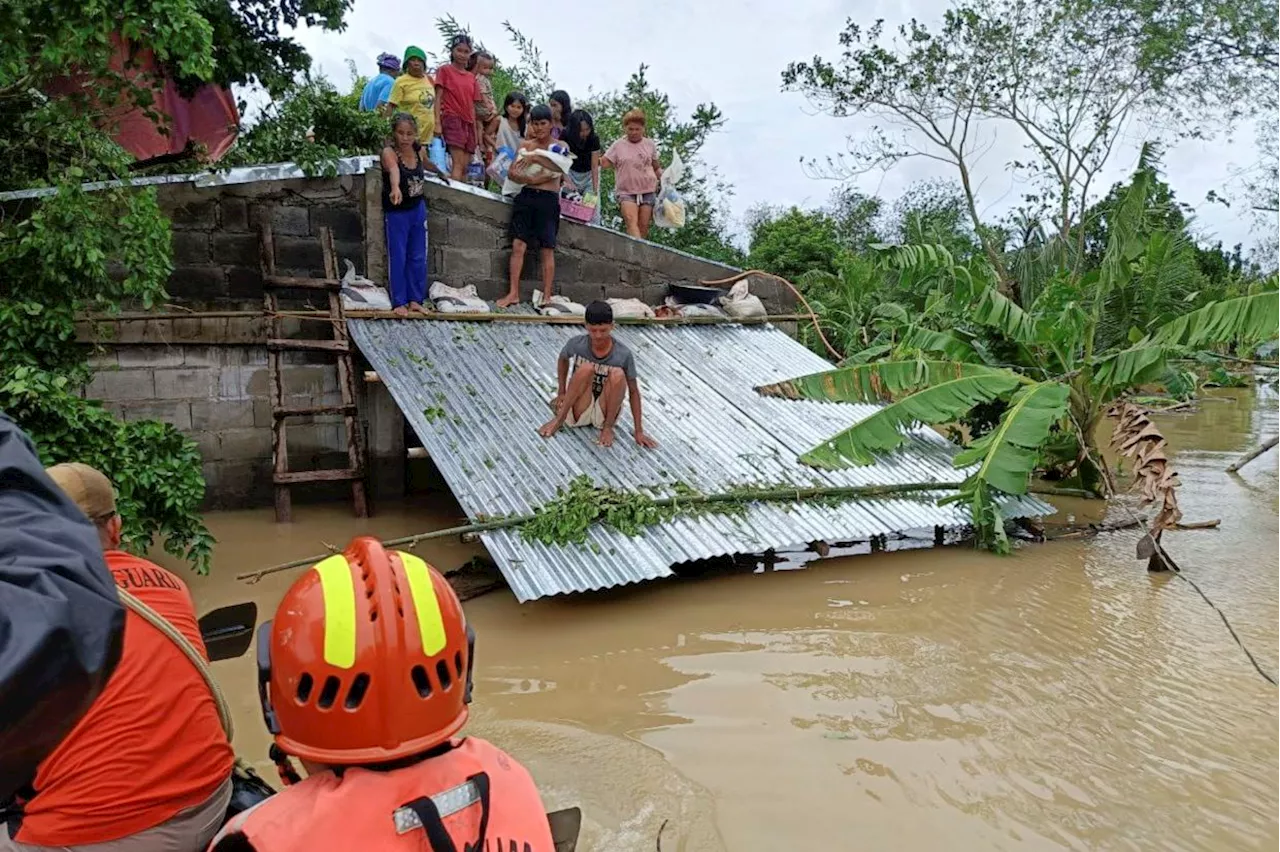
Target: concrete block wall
column 469, row 244
column 218, row 396
column 216, row 254
column 208, row 376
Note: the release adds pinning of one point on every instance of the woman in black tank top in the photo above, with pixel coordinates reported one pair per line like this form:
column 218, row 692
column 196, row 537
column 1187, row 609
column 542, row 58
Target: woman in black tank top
column 404, row 211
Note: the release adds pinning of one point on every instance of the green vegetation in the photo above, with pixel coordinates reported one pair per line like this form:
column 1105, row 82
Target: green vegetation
column 1034, row 379
column 311, row 105
column 566, row 518
column 1017, row 334
column 76, row 251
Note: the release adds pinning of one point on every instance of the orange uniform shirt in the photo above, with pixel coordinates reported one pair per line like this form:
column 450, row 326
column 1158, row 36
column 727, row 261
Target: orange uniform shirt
column 150, row 746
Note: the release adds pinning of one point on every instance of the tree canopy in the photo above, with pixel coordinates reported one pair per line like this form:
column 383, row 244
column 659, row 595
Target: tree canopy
column 75, row 251
column 1068, row 78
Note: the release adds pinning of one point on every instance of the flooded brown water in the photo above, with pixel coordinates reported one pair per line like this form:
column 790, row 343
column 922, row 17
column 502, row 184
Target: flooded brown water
column 1061, row 698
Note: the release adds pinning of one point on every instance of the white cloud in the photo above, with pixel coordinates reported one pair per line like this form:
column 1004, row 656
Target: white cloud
column 734, row 54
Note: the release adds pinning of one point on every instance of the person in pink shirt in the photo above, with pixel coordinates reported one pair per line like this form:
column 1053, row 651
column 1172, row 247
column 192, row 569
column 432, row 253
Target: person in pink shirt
column 457, row 94
column 634, row 159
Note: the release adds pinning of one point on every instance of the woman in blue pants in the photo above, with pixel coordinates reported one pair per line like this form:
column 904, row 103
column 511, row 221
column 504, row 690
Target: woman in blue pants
column 404, row 210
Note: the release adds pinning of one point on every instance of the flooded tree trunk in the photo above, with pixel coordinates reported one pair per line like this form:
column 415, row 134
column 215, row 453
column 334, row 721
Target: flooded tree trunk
column 1253, row 454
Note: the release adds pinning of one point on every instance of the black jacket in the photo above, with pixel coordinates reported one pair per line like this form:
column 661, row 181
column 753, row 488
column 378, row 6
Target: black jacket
column 61, row 621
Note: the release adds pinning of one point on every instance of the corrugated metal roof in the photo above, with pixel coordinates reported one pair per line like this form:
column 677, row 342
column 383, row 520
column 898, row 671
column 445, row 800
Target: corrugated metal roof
column 475, row 394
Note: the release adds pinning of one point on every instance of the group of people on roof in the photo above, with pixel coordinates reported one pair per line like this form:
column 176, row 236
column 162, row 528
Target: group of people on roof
column 455, row 104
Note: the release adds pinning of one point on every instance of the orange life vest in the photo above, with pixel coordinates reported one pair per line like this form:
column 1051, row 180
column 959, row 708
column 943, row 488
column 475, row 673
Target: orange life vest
column 150, row 746
column 472, row 798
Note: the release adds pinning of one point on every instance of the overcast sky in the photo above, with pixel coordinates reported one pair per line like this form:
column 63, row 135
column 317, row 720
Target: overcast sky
column 733, row 54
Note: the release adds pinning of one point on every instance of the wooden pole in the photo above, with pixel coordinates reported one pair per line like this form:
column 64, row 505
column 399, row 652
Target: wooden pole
column 1253, row 454
column 737, row 496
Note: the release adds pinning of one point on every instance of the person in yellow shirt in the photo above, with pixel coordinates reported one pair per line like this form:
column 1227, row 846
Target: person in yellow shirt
column 414, row 92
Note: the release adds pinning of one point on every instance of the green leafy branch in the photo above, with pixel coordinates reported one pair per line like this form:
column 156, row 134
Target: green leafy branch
column 155, row 469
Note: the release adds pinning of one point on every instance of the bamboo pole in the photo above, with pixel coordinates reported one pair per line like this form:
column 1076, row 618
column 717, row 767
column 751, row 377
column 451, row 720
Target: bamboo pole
column 1070, row 531
column 764, row 495
column 144, row 316
column 1251, row 362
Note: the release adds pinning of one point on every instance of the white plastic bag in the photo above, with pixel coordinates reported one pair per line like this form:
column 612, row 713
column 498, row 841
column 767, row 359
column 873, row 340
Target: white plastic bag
column 741, row 304
column 630, row 308
column 561, row 158
column 668, row 210
column 361, row 294
column 497, row 170
column 557, row 306
column 457, row 300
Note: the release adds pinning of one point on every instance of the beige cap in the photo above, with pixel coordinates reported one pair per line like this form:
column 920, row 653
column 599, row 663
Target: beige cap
column 87, row 487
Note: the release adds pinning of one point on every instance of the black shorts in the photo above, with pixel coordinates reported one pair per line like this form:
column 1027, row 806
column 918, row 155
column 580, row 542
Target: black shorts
column 535, row 217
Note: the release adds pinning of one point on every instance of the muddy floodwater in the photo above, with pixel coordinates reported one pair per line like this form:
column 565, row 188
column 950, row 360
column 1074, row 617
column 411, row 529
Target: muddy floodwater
column 1060, row 698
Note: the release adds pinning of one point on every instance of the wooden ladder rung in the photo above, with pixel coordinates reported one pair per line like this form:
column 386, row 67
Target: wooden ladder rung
column 339, row 348
column 291, row 282
column 338, row 475
column 302, row 411
column 279, row 343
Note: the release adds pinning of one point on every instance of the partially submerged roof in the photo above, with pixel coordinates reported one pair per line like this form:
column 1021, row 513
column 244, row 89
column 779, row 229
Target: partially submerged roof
column 475, row 394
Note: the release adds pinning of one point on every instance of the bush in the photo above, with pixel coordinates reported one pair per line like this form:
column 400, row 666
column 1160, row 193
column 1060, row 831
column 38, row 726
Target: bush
column 155, row 469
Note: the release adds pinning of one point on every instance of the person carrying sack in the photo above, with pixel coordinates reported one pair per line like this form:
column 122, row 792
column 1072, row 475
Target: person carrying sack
column 149, row 766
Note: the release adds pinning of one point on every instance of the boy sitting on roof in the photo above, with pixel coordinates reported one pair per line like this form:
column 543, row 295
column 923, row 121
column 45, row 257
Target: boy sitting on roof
column 604, row 371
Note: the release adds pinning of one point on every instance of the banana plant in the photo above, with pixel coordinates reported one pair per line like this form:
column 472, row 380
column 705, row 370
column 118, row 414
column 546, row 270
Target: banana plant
column 1054, row 375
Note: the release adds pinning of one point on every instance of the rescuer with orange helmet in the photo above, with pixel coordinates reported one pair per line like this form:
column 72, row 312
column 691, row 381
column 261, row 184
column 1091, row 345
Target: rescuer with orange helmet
column 365, row 676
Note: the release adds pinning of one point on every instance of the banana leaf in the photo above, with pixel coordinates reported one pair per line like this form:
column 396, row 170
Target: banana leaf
column 1246, row 319
column 948, row 343
column 875, row 382
column 1136, row 365
column 941, row 402
column 1007, row 455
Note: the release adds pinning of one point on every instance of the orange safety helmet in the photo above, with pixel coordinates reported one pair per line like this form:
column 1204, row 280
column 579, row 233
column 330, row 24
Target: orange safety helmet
column 368, row 659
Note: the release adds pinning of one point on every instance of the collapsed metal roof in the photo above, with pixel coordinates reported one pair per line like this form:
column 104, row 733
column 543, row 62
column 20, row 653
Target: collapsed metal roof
column 475, row 394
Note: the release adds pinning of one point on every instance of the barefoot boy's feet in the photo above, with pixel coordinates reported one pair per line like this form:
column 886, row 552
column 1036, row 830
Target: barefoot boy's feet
column 508, row 300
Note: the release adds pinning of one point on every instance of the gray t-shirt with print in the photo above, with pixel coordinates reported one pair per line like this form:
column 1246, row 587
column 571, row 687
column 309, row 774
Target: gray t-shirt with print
column 619, row 356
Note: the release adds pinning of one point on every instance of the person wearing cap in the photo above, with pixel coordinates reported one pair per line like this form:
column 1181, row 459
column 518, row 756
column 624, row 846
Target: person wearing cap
column 603, row 373
column 148, row 767
column 378, row 90
column 414, row 92
column 365, row 676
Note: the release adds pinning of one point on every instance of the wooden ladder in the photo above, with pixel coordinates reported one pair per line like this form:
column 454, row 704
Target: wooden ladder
column 340, row 347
